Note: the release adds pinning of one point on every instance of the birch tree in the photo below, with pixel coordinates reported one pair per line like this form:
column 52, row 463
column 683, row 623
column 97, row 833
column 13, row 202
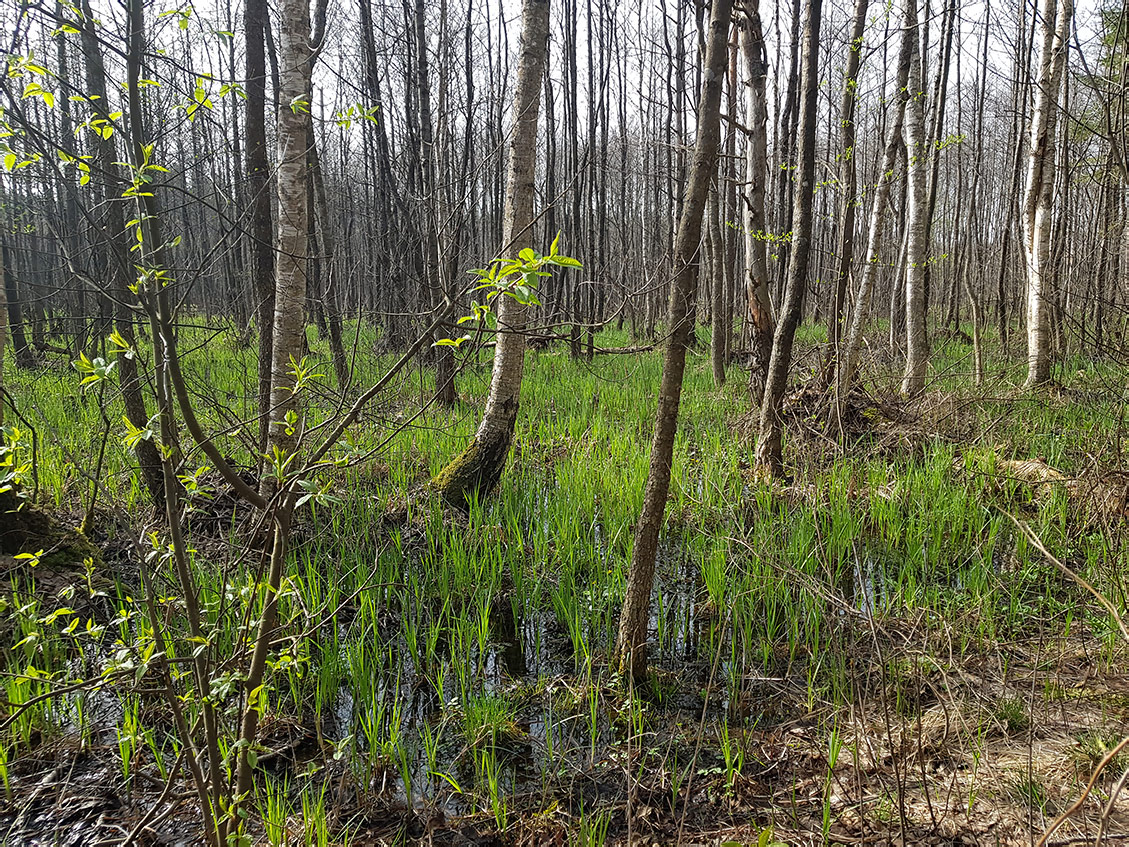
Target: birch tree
column 288, row 335
column 1038, row 195
column 917, row 246
column 478, row 468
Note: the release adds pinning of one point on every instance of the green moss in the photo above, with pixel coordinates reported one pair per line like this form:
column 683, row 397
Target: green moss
column 455, row 481
column 26, row 528
column 473, row 473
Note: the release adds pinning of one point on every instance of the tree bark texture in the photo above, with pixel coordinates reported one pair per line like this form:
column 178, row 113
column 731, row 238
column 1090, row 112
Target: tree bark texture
column 917, row 211
column 852, row 344
column 1038, row 196
column 631, row 644
column 769, row 451
column 757, row 297
column 289, row 339
column 476, row 470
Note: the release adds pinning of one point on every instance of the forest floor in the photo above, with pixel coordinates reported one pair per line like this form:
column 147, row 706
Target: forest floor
column 877, row 651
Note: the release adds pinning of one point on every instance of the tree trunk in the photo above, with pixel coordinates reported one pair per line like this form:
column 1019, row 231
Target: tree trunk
column 289, row 333
column 769, row 452
column 1039, row 188
column 13, row 316
column 852, row 344
column 757, row 297
column 720, row 279
column 848, row 183
column 631, row 644
column 973, row 249
column 936, row 133
column 261, row 230
column 731, row 208
column 118, row 266
column 478, row 468
column 3, row 328
column 785, row 151
column 917, row 161
column 433, row 247
column 327, row 251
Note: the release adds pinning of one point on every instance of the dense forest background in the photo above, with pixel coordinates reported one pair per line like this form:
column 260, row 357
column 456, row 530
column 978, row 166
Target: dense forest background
column 409, row 114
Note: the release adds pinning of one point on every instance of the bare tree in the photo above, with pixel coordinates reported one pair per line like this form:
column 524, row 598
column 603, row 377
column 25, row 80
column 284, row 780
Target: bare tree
column 478, row 468
column 432, row 231
column 3, row 327
column 114, row 249
column 917, row 247
column 631, row 643
column 852, row 343
column 769, row 452
column 1039, row 188
column 757, row 298
column 261, row 229
column 848, row 180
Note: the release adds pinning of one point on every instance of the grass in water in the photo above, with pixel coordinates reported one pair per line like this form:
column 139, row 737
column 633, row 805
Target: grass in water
column 457, row 666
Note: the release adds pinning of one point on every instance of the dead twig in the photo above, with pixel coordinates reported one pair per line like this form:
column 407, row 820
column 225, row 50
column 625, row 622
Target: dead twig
column 1101, row 598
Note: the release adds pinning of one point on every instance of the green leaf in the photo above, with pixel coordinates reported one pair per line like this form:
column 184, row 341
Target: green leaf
column 450, row 780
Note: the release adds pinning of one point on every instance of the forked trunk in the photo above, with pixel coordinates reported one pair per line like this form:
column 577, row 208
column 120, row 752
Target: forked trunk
column 111, row 222
column 848, row 178
column 852, row 344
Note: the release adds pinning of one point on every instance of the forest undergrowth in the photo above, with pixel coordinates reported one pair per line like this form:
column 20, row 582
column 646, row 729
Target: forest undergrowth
column 897, row 645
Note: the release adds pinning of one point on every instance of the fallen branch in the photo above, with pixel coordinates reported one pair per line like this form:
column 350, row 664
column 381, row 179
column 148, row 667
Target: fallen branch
column 642, row 348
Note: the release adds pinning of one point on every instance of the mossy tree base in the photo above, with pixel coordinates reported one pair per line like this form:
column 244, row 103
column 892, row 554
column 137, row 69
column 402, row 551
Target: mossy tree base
column 475, row 472
column 25, row 528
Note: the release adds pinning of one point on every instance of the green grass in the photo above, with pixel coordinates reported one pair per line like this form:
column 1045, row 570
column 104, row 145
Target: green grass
column 439, row 654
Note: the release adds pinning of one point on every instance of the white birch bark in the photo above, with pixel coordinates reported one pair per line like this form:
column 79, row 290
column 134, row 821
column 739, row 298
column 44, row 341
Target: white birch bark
column 917, row 342
column 517, row 224
column 478, row 468
column 295, row 60
column 1038, row 195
